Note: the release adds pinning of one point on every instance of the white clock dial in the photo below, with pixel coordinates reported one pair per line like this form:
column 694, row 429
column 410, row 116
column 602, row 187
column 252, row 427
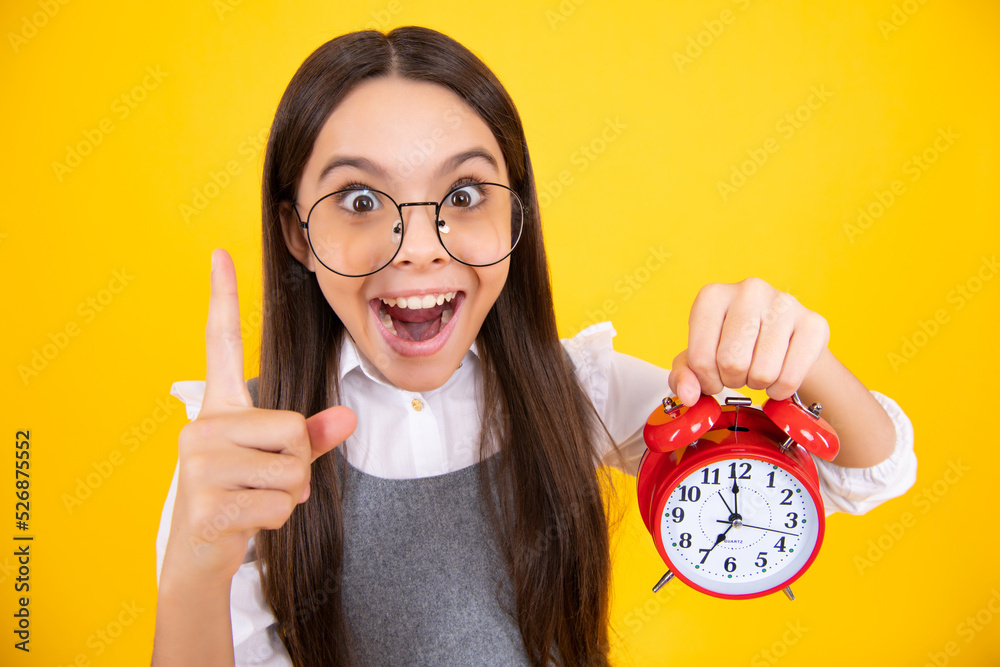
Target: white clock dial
column 739, row 540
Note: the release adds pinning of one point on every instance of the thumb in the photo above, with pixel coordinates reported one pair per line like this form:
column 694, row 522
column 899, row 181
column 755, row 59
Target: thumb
column 683, row 381
column 329, row 428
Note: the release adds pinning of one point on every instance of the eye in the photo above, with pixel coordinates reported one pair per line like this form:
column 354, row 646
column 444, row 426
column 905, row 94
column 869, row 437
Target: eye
column 466, row 197
column 360, row 201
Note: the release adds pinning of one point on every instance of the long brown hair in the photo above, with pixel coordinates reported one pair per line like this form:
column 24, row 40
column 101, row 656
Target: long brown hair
column 544, row 495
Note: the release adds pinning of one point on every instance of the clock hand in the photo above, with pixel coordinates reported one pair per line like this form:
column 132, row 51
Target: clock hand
column 731, row 512
column 718, row 540
column 736, row 498
column 773, row 530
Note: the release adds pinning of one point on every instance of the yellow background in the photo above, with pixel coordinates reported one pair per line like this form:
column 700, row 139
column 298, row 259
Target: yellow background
column 661, row 132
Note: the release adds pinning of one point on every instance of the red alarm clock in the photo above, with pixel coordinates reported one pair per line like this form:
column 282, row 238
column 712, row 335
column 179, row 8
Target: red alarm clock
column 731, row 495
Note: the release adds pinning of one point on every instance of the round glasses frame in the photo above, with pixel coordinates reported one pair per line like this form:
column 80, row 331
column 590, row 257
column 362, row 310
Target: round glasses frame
column 438, row 224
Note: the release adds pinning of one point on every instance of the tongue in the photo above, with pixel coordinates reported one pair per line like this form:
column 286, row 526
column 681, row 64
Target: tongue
column 416, row 324
column 417, row 331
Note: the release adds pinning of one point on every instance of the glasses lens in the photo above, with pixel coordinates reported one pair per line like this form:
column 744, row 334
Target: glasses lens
column 355, row 232
column 480, row 223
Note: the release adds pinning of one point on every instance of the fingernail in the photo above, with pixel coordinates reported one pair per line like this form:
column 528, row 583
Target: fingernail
column 213, row 261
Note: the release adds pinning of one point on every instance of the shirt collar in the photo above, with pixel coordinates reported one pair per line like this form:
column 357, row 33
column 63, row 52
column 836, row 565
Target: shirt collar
column 351, row 359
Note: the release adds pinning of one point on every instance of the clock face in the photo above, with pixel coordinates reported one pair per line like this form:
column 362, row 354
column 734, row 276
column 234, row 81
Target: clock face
column 739, row 526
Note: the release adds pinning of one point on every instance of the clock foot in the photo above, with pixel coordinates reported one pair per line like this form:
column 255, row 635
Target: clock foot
column 663, row 580
column 787, row 590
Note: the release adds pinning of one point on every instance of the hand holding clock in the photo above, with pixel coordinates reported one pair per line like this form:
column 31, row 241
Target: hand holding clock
column 749, row 334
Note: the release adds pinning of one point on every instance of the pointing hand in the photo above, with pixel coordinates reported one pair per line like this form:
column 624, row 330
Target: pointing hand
column 241, row 468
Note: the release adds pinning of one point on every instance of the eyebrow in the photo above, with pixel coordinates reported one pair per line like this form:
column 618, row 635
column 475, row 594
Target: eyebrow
column 364, row 164
column 361, row 163
column 457, row 160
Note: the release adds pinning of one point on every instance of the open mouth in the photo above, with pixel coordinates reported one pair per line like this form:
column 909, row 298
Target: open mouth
column 418, row 318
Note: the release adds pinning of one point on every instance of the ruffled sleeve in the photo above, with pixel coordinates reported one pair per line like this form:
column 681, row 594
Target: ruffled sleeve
column 255, row 639
column 623, row 390
column 190, row 393
column 858, row 490
column 590, row 351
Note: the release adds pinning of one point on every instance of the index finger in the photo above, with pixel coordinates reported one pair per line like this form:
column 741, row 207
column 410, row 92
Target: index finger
column 705, row 323
column 224, row 382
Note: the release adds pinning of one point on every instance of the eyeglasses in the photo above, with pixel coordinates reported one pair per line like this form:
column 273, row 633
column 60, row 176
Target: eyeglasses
column 358, row 231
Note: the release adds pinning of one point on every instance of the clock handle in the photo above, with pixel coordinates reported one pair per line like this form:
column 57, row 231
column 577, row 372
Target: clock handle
column 804, row 426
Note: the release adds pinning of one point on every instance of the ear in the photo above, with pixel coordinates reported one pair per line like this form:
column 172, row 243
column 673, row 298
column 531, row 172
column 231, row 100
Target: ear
column 295, row 235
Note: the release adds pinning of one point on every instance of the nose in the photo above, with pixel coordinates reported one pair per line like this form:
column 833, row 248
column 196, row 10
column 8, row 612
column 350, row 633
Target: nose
column 421, row 244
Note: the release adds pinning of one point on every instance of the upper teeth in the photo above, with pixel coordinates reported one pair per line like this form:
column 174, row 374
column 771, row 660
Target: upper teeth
column 417, row 302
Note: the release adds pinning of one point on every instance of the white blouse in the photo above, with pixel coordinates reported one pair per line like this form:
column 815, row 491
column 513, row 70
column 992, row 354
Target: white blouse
column 404, row 435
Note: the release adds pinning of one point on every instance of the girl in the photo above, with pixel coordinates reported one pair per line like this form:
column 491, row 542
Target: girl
column 406, row 284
